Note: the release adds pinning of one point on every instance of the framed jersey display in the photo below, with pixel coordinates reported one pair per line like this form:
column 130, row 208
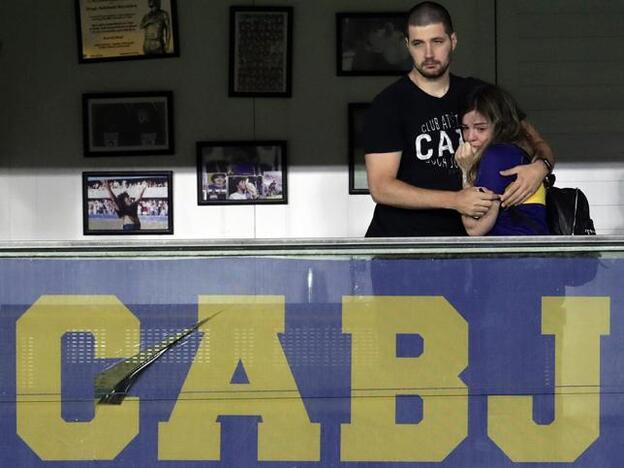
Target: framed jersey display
column 128, row 124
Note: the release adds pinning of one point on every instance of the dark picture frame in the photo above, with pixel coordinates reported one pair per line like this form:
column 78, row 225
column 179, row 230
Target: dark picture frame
column 242, row 172
column 108, row 30
column 260, row 62
column 371, row 44
column 358, row 183
column 104, row 214
column 128, row 124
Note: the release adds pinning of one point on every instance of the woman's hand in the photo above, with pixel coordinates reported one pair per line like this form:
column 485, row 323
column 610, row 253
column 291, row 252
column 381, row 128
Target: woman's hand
column 465, row 156
column 251, row 189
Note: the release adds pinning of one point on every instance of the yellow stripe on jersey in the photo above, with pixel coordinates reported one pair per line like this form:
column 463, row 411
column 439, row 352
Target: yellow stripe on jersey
column 538, row 197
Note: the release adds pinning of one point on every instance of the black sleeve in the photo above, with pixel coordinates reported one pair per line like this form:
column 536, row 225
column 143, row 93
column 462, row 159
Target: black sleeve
column 382, row 131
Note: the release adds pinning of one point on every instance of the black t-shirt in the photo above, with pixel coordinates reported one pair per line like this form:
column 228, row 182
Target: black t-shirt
column 131, row 211
column 427, row 131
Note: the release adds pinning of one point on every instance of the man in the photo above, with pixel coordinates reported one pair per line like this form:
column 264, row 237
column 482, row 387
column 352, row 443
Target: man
column 245, row 190
column 157, row 29
column 217, row 188
column 412, row 133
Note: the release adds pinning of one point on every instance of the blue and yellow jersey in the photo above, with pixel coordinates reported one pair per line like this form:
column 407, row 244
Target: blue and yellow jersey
column 529, row 218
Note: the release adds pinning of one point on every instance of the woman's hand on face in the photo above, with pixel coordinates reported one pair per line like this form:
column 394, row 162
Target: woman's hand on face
column 465, row 156
column 251, row 189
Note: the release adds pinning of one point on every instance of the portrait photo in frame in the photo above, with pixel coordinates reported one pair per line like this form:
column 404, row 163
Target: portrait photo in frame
column 128, row 124
column 371, row 44
column 358, row 182
column 114, row 30
column 127, row 202
column 241, row 172
column 260, row 51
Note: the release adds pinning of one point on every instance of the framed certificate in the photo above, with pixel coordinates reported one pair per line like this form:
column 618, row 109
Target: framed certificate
column 123, row 30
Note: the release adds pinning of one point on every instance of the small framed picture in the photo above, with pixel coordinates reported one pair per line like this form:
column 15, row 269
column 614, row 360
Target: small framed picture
column 132, row 202
column 241, row 172
column 358, row 182
column 370, row 44
column 128, row 124
column 114, row 30
column 260, row 51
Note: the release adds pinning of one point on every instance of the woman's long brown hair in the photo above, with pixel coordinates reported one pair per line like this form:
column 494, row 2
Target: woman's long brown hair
column 504, row 114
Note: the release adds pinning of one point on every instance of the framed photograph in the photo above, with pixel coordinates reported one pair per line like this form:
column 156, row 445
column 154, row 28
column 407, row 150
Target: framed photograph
column 241, row 172
column 371, row 44
column 260, row 51
column 117, row 30
column 129, row 202
column 128, row 124
column 358, row 182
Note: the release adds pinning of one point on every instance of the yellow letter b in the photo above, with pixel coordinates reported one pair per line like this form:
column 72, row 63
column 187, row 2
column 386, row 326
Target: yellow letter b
column 379, row 376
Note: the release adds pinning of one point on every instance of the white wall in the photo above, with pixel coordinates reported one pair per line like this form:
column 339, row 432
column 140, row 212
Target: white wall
column 603, row 183
column 41, row 84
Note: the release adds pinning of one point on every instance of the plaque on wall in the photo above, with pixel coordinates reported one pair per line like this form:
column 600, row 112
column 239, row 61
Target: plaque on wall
column 126, row 30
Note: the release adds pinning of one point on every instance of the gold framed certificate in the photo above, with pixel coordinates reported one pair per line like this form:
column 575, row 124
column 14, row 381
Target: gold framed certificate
column 126, row 30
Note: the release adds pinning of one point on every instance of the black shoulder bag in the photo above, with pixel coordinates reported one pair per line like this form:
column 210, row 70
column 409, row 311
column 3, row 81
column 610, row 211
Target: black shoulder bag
column 567, row 210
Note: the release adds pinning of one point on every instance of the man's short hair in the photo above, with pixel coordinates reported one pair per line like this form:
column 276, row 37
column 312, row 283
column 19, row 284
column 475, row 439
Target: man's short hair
column 426, row 13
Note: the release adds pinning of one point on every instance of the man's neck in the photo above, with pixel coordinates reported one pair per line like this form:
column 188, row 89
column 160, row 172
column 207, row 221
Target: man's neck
column 436, row 87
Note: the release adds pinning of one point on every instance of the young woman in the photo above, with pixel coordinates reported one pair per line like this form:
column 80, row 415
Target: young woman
column 495, row 140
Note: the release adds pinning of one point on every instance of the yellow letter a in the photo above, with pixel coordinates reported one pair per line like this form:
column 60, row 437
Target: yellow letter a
column 246, row 330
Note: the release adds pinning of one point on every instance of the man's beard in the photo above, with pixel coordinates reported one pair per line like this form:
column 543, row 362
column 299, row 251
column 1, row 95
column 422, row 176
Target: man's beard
column 435, row 74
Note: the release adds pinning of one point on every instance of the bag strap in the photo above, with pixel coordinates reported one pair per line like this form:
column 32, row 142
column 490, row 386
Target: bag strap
column 576, row 197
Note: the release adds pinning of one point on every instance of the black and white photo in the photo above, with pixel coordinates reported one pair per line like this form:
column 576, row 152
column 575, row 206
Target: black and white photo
column 371, row 44
column 128, row 124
